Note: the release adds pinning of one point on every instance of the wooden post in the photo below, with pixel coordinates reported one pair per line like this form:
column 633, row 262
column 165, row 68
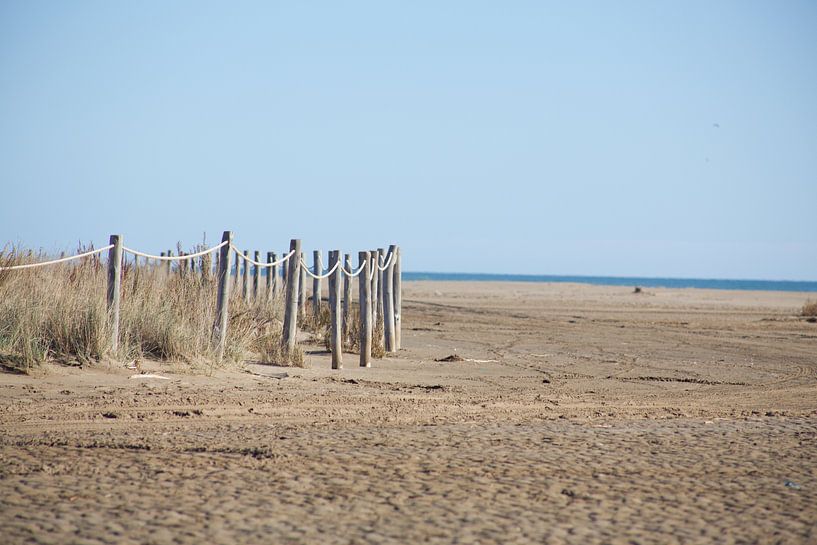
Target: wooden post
column 168, row 262
column 245, row 286
column 336, row 340
column 365, row 310
column 291, row 304
column 316, row 283
column 285, row 271
column 271, row 272
column 373, row 281
column 276, row 277
column 381, row 256
column 223, row 294
column 398, row 299
column 237, row 270
column 347, row 293
column 301, row 285
column 256, row 271
column 388, row 302
column 114, row 288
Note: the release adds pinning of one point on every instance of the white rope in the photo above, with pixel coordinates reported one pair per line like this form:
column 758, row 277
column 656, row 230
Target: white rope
column 261, row 264
column 353, row 274
column 174, row 257
column 320, row 276
column 372, row 271
column 386, row 263
column 61, row 260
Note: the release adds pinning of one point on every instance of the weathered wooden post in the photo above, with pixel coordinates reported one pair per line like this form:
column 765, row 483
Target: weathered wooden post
column 388, row 302
column 335, row 339
column 167, row 263
column 316, row 283
column 237, row 270
column 347, row 293
column 245, row 285
column 373, row 281
column 301, row 285
column 256, row 271
column 223, row 296
column 398, row 299
column 114, row 288
column 276, row 277
column 381, row 257
column 364, row 297
column 285, row 271
column 271, row 272
column 291, row 303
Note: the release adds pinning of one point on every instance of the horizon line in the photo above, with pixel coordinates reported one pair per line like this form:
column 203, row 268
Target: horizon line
column 614, row 276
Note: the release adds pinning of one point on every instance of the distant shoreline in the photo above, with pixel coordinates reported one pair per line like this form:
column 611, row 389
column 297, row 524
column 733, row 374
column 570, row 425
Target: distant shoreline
column 644, row 282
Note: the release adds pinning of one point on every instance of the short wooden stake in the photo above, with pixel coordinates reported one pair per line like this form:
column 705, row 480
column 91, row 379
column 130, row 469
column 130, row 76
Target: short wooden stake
column 114, row 288
column 398, row 299
column 336, row 339
column 388, row 302
column 168, row 262
column 237, row 270
column 301, row 286
column 291, row 302
column 271, row 273
column 373, row 282
column 381, row 256
column 347, row 294
column 223, row 294
column 276, row 276
column 245, row 286
column 364, row 297
column 256, row 271
column 317, row 268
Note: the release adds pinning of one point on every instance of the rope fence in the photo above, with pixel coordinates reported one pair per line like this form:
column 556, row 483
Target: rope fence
column 379, row 291
column 172, row 257
column 55, row 261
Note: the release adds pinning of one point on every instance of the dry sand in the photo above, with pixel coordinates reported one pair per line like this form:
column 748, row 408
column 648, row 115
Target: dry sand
column 581, row 415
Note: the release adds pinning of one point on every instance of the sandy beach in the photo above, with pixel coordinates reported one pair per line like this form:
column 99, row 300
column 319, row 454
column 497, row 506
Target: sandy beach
column 570, row 414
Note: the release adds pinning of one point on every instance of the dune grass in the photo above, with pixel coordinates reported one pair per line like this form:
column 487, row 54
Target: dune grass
column 809, row 309
column 58, row 313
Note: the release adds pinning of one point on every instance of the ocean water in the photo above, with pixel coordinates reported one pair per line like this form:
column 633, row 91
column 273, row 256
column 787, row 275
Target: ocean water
column 705, row 283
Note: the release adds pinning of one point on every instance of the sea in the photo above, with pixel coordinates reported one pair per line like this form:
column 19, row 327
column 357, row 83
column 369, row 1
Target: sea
column 643, row 282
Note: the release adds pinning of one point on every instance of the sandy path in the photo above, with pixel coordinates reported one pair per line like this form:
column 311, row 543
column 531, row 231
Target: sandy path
column 676, row 416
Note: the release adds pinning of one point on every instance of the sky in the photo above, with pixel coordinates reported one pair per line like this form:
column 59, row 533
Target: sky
column 669, row 139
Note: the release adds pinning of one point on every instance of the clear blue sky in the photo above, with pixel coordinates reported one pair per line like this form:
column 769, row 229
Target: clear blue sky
column 610, row 138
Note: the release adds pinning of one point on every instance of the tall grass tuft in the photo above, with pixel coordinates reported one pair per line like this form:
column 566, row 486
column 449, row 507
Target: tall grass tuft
column 809, row 309
column 51, row 313
column 351, row 340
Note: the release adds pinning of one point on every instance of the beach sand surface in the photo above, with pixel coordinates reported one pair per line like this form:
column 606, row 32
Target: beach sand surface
column 574, row 414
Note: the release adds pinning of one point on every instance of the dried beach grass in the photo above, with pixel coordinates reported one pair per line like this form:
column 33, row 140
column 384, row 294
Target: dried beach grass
column 58, row 313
